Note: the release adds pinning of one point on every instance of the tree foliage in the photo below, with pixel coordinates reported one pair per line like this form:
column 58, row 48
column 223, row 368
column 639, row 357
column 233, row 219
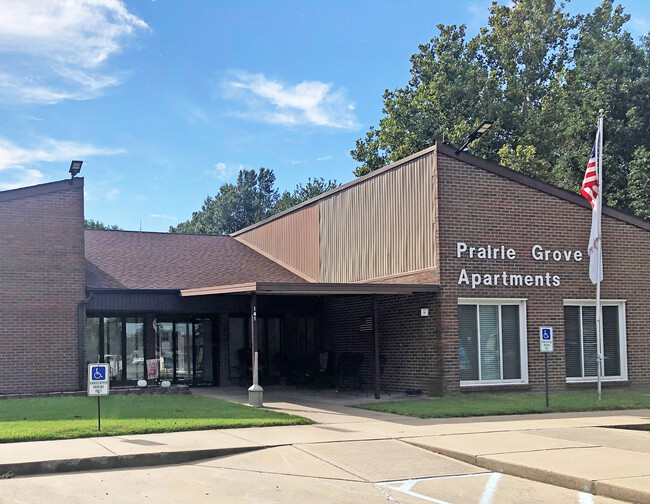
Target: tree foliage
column 311, row 189
column 542, row 75
column 251, row 199
column 93, row 224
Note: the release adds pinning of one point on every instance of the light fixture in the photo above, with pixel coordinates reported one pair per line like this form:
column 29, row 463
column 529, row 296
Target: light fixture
column 477, row 133
column 75, row 168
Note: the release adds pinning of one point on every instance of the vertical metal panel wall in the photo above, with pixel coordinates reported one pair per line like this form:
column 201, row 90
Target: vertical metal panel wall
column 382, row 226
column 291, row 239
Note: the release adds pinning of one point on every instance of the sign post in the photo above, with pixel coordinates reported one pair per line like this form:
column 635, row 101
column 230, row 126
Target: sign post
column 546, row 347
column 98, row 385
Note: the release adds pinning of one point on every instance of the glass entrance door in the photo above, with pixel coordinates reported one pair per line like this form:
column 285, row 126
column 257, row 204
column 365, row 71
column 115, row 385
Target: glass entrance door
column 165, row 350
column 203, row 368
column 184, row 351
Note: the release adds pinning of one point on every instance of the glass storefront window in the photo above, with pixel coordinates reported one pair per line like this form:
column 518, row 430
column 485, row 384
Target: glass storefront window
column 113, row 349
column 165, row 350
column 237, row 347
column 203, row 351
column 183, row 351
column 134, row 348
column 119, row 342
column 92, row 340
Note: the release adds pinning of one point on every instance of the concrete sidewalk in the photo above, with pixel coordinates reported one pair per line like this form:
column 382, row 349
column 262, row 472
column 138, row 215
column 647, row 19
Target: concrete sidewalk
column 577, row 451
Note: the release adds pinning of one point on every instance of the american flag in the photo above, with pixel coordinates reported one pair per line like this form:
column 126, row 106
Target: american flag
column 591, row 191
column 590, row 187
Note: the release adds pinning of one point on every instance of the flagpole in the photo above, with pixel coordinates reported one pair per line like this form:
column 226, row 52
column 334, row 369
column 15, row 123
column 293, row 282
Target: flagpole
column 599, row 327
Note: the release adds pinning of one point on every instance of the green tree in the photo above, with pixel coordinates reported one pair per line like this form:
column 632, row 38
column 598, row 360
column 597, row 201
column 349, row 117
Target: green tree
column 610, row 72
column 93, row 224
column 235, row 206
column 542, row 75
column 311, row 189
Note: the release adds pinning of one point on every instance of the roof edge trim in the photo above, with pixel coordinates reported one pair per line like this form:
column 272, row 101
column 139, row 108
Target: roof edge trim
column 539, row 185
column 341, row 188
column 40, row 189
column 293, row 288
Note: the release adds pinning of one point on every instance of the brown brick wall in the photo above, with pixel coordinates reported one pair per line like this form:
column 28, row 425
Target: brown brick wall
column 481, row 208
column 407, row 340
column 41, row 282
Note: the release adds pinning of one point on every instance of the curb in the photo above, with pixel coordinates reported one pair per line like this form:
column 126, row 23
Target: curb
column 118, row 461
column 604, row 489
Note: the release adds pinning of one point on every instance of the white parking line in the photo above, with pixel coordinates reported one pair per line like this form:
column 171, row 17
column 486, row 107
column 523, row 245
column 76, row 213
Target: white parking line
column 490, row 488
column 405, row 486
column 585, row 498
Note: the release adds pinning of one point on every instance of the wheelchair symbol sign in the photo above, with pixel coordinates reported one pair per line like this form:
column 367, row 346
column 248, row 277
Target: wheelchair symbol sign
column 546, row 339
column 98, row 379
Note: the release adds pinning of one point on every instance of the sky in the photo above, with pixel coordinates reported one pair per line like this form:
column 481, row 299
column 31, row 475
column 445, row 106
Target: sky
column 165, row 101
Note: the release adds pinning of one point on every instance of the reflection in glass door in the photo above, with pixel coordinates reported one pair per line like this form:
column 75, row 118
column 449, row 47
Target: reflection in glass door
column 184, row 351
column 203, row 351
column 239, row 354
column 119, row 342
column 165, row 350
column 134, row 348
column 273, row 347
column 113, row 351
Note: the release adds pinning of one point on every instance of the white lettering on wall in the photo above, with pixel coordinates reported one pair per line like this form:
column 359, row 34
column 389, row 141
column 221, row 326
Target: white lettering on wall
column 506, row 279
column 539, row 253
column 488, row 252
column 509, row 279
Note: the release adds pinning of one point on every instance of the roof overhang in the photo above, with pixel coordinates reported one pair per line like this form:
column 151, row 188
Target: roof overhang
column 313, row 289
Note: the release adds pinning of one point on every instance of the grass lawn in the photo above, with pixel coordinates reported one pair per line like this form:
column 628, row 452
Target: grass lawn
column 512, row 403
column 74, row 417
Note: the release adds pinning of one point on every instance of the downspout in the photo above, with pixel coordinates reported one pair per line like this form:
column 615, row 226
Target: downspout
column 81, row 316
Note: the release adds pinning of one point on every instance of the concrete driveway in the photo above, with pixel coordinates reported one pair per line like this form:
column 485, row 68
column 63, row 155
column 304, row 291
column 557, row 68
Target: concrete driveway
column 350, row 455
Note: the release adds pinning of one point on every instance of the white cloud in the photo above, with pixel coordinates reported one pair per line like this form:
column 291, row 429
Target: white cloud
column 55, row 50
column 15, row 160
column 324, row 158
column 21, row 178
column 163, row 216
column 112, row 194
column 309, row 102
column 222, row 171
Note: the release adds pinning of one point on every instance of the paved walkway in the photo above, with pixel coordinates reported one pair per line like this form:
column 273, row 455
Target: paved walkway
column 576, row 451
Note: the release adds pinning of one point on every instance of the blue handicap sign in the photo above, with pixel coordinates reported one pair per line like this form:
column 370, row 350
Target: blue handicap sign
column 546, row 334
column 98, row 372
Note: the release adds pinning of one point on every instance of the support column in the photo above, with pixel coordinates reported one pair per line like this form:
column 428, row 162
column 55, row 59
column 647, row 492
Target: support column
column 375, row 328
column 253, row 326
column 255, row 392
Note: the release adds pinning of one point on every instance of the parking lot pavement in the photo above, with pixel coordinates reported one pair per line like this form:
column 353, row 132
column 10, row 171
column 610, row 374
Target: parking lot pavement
column 340, row 472
column 486, row 488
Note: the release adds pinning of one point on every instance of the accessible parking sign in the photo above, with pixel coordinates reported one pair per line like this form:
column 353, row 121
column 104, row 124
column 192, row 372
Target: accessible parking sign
column 98, row 379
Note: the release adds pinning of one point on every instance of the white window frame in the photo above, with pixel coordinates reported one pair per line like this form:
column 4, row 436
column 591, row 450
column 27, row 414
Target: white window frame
column 622, row 338
column 523, row 340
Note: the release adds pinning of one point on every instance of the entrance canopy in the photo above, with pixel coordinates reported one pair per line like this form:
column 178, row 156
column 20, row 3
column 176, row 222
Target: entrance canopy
column 315, row 289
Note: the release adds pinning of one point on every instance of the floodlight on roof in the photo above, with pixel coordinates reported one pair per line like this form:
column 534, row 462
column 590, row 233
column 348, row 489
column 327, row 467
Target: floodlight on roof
column 75, row 168
column 477, row 133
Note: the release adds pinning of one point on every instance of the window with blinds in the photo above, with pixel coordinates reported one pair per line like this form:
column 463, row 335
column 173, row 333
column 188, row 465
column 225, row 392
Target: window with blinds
column 490, row 342
column 581, row 346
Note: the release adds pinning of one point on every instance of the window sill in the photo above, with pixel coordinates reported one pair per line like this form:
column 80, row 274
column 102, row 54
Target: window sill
column 494, row 387
column 610, row 379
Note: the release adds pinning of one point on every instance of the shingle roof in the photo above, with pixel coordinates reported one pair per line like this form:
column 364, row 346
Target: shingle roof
column 133, row 260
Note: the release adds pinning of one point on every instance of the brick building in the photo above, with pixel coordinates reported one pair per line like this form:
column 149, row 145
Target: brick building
column 434, row 273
